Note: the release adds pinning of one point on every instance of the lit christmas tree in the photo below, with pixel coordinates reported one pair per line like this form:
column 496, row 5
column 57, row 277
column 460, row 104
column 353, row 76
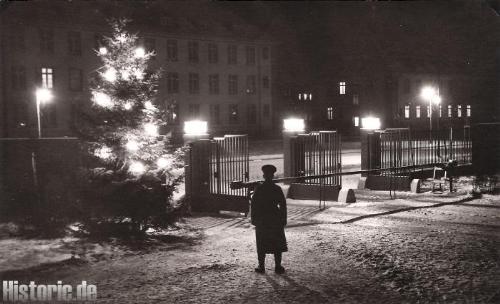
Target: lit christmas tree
column 133, row 169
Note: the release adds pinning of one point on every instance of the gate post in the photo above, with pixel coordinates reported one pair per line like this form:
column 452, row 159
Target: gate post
column 197, row 173
column 370, row 150
column 291, row 128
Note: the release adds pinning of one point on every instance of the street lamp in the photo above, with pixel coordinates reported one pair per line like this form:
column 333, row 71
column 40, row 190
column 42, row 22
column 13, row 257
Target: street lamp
column 43, row 95
column 430, row 94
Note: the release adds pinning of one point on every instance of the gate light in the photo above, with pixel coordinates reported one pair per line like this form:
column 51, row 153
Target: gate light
column 370, row 123
column 195, row 127
column 293, row 125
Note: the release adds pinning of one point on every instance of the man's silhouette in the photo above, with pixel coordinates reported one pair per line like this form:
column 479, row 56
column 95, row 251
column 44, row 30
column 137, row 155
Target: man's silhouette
column 268, row 213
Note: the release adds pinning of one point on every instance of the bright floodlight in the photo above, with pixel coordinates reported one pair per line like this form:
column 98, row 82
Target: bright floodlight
column 436, row 99
column 195, row 127
column 137, row 168
column 428, row 93
column 370, row 123
column 43, row 95
column 294, row 125
column 103, row 50
column 140, row 52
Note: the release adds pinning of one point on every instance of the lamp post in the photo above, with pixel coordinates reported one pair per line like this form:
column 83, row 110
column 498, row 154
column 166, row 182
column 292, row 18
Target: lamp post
column 43, row 95
column 432, row 96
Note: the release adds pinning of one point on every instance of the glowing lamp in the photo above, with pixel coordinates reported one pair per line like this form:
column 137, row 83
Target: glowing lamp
column 195, row 127
column 163, row 162
column 370, row 123
column 428, row 93
column 110, row 75
column 43, row 95
column 132, row 145
column 139, row 52
column 151, row 129
column 127, row 106
column 102, row 100
column 137, row 168
column 436, row 99
column 103, row 50
column 294, row 125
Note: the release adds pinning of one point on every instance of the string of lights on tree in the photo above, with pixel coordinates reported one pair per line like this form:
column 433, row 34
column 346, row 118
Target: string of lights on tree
column 124, row 133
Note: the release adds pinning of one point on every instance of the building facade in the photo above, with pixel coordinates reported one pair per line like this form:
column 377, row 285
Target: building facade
column 213, row 76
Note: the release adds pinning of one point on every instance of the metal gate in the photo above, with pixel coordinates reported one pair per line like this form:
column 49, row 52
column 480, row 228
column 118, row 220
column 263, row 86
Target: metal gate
column 212, row 165
column 317, row 153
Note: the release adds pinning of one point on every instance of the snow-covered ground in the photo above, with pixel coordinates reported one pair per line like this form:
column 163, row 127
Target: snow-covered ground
column 418, row 248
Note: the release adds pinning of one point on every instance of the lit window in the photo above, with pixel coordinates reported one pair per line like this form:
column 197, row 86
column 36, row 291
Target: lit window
column 300, row 96
column 47, row 78
column 356, row 121
column 407, row 111
column 329, row 113
column 417, row 111
column 450, row 111
column 440, row 110
column 342, row 88
column 459, row 111
column 468, row 110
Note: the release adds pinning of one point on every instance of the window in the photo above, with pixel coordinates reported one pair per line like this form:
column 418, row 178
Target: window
column 47, row 78
column 417, row 111
column 265, row 82
column 232, row 54
column 251, row 85
column 356, row 121
column 75, row 79
column 193, row 51
column 46, row 40
column 213, row 53
column 213, row 84
column 406, row 86
column 342, row 87
column 17, row 41
column 407, row 111
column 355, row 99
column 252, row 114
column 194, row 110
column 173, row 114
column 250, row 55
column 440, row 111
column 172, row 50
column 329, row 113
column 265, row 53
column 450, row 111
column 468, row 110
column 173, row 82
column 428, row 111
column 233, row 114
column 18, row 78
column 266, row 111
column 150, row 46
column 215, row 114
column 74, row 43
column 459, row 111
column 194, row 83
column 233, row 84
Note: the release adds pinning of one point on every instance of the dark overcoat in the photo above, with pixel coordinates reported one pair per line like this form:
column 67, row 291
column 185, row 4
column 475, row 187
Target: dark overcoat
column 268, row 214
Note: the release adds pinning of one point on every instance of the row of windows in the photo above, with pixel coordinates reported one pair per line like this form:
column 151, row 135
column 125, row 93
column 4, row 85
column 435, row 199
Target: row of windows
column 46, row 77
column 233, row 113
column 18, row 81
column 74, row 44
column 451, row 111
column 173, row 83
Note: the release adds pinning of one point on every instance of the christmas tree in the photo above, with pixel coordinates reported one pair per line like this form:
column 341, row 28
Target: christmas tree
column 132, row 170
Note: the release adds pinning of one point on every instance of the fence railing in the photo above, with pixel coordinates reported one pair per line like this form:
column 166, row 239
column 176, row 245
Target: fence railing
column 404, row 147
column 317, row 153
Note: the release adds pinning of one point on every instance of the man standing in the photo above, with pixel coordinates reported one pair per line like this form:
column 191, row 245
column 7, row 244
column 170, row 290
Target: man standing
column 268, row 213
